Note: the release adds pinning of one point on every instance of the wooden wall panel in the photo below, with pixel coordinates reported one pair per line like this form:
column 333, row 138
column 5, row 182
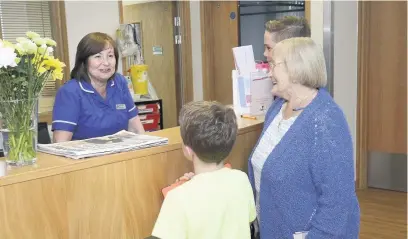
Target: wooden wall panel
column 148, row 206
column 186, row 52
column 94, row 204
column 34, row 209
column 246, row 144
column 362, row 102
column 59, row 33
column 157, row 26
column 307, row 11
column 207, row 42
column 219, row 36
column 226, row 37
column 387, row 77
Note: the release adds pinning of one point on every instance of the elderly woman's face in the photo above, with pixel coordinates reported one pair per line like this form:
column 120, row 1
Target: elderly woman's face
column 280, row 78
column 269, row 44
column 101, row 66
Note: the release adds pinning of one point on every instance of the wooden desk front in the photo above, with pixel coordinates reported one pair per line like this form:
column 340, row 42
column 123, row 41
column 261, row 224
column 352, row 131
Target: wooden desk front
column 114, row 196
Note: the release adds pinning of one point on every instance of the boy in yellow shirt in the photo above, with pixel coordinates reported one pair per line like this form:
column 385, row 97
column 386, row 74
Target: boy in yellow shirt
column 217, row 202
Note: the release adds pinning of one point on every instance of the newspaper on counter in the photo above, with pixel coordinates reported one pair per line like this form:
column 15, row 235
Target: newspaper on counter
column 116, row 143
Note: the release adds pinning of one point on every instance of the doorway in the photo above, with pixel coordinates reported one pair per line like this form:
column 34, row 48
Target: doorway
column 382, row 95
column 165, row 37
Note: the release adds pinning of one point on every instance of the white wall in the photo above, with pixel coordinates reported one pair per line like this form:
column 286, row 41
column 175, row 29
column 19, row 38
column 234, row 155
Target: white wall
column 84, row 17
column 196, row 50
column 345, row 61
column 316, row 21
column 345, row 34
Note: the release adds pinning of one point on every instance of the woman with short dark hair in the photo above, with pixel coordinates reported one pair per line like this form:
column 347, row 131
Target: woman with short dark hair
column 285, row 28
column 96, row 101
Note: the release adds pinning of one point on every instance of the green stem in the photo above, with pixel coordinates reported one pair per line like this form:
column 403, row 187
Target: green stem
column 20, row 136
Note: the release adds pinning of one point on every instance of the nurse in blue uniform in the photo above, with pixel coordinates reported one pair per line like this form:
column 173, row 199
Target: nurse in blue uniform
column 96, row 101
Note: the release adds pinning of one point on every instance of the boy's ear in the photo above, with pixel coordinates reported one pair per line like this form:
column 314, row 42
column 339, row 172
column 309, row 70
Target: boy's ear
column 189, row 151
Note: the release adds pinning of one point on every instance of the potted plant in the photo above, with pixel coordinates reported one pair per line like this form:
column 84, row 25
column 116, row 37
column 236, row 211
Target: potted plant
column 25, row 67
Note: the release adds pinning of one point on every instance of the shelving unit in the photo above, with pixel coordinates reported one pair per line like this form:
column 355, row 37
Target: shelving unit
column 150, row 113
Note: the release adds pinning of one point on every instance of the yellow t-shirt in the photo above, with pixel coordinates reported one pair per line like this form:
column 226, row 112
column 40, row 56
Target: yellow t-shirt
column 213, row 205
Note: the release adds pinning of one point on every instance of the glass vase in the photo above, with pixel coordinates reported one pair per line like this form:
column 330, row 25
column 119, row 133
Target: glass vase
column 18, row 129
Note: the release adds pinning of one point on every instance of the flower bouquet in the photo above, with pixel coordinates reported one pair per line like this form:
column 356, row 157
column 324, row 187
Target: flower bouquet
column 25, row 67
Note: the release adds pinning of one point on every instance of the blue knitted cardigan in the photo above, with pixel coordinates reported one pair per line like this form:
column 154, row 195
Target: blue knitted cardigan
column 307, row 182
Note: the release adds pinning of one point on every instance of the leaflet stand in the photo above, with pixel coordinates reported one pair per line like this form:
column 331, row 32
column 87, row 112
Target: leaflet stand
column 251, row 95
column 251, row 84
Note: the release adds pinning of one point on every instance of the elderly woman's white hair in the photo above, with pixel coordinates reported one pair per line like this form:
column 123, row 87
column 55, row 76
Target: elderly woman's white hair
column 303, row 59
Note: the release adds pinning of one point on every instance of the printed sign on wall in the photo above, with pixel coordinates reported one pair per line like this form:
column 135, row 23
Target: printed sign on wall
column 157, row 50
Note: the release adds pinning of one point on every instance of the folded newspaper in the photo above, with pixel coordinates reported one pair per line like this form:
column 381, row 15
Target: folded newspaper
column 116, row 143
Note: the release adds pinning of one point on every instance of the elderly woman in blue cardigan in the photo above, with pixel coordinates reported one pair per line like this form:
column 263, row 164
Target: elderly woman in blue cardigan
column 302, row 168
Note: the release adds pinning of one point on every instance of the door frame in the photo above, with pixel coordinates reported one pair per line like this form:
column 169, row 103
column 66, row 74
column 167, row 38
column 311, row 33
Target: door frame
column 206, row 15
column 185, row 60
column 362, row 94
column 184, row 67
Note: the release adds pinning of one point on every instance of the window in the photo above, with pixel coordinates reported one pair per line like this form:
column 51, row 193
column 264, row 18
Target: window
column 46, row 18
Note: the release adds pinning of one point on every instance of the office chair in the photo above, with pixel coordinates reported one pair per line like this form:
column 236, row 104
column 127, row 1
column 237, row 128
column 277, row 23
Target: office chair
column 43, row 136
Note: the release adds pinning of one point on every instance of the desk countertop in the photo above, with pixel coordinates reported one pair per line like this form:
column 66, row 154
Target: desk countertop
column 48, row 165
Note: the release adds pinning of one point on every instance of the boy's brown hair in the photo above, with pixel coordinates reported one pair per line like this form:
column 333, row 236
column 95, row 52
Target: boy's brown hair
column 288, row 27
column 209, row 129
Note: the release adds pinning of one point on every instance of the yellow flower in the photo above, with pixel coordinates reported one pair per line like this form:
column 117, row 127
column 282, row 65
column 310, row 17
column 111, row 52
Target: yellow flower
column 50, row 42
column 37, row 59
column 55, row 66
column 39, row 41
column 32, row 35
column 57, row 75
column 53, row 63
column 17, row 60
column 41, row 70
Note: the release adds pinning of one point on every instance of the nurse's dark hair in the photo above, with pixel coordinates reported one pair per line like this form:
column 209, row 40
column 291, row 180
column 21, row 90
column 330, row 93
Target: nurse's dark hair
column 91, row 44
column 209, row 129
column 288, row 27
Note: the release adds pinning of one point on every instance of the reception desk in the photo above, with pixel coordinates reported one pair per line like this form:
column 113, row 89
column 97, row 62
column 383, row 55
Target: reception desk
column 114, row 196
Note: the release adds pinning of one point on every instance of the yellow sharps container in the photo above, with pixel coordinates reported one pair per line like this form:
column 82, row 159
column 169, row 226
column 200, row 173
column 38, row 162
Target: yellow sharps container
column 139, row 77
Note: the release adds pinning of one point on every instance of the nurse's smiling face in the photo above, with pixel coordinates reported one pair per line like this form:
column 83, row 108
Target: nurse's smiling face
column 101, row 66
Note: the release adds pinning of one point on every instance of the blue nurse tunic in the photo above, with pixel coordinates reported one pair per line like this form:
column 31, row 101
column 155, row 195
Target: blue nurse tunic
column 79, row 108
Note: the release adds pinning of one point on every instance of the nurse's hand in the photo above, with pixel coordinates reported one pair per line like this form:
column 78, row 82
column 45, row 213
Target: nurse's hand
column 135, row 125
column 61, row 136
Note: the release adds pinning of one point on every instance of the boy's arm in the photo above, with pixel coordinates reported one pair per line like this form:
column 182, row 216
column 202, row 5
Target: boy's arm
column 171, row 222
